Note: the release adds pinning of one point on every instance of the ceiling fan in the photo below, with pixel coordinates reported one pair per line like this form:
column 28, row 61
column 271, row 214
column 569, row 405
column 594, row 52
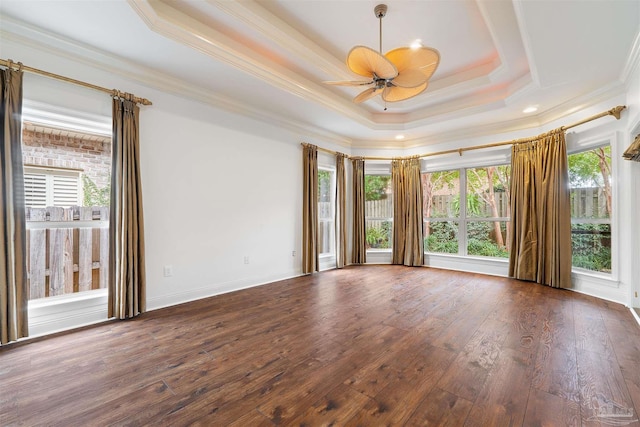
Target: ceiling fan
column 400, row 74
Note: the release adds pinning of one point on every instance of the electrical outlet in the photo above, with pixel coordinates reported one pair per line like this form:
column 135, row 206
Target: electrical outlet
column 168, row 270
column 293, row 253
column 246, row 260
column 636, row 294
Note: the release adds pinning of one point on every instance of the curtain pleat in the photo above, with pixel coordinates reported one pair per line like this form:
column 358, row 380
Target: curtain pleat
column 13, row 267
column 359, row 250
column 127, row 281
column 341, row 212
column 540, row 212
column 408, row 242
column 310, row 255
column 399, row 210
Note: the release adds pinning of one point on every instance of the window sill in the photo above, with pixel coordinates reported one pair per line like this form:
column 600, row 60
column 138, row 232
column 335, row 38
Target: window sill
column 63, row 312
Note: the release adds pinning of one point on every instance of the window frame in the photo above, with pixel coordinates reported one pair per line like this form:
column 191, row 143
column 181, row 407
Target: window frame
column 332, row 190
column 576, row 146
column 463, row 219
column 379, row 169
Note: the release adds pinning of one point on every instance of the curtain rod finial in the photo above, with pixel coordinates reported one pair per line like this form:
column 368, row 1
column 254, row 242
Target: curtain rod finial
column 615, row 112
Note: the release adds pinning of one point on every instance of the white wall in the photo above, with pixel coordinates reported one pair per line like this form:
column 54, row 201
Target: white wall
column 213, row 196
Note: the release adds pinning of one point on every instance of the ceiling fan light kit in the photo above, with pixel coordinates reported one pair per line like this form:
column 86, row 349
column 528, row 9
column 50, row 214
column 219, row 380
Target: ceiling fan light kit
column 398, row 75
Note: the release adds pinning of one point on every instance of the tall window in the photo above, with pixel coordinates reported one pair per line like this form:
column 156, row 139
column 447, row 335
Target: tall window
column 378, row 211
column 488, row 211
column 441, row 211
column 67, row 190
column 466, row 211
column 590, row 180
column 326, row 212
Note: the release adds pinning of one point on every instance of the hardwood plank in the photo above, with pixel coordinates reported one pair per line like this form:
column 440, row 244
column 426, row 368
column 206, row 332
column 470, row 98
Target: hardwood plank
column 441, row 408
column 603, row 391
column 546, row 409
column 503, row 399
column 335, row 408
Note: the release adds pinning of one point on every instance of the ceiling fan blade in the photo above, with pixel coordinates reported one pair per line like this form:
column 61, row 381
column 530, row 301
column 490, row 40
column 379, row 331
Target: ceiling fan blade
column 366, row 94
column 350, row 82
column 367, row 62
column 411, row 77
column 425, row 59
column 395, row 93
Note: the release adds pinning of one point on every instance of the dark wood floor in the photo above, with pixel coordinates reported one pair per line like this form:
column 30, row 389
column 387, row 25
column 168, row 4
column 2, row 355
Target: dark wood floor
column 370, row 346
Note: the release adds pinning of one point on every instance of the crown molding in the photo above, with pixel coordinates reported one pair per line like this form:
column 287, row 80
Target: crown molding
column 632, row 63
column 182, row 28
column 38, row 39
column 279, row 32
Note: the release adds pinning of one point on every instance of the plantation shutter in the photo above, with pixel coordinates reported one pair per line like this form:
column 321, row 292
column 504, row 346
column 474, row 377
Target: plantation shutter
column 51, row 188
column 65, row 190
column 35, row 190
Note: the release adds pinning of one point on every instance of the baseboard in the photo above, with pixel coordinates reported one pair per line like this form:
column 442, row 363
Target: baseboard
column 168, row 300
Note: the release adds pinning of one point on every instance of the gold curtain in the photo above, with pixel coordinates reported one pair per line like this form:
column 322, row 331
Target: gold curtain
column 127, row 282
column 310, row 256
column 13, row 266
column 341, row 212
column 399, row 209
column 408, row 242
column 359, row 250
column 541, row 211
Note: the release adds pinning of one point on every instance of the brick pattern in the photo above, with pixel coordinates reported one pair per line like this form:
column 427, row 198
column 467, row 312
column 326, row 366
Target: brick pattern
column 91, row 154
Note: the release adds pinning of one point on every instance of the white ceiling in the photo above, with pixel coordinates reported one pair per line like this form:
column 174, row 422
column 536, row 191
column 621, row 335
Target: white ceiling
column 269, row 58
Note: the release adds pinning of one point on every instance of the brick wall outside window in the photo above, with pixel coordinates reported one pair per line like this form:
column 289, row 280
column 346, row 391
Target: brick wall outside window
column 62, row 149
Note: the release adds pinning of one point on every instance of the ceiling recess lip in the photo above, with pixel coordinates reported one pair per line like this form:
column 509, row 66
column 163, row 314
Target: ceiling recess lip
column 170, row 22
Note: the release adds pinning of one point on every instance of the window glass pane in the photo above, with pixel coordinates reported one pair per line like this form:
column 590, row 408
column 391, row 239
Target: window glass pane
column 378, row 211
column 590, row 181
column 379, row 234
column 487, row 238
column 67, row 192
column 441, row 192
column 591, row 245
column 441, row 236
column 488, row 192
column 326, row 207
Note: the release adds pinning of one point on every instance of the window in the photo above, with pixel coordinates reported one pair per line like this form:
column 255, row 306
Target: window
column 441, row 211
column 51, row 187
column 378, row 211
column 466, row 211
column 590, row 182
column 326, row 212
column 488, row 210
column 67, row 189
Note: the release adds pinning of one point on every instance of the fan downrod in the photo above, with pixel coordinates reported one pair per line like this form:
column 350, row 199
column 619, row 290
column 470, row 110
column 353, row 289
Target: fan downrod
column 380, row 10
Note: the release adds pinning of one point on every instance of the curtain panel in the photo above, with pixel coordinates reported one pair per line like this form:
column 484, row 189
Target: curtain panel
column 408, row 242
column 541, row 211
column 127, row 281
column 13, row 266
column 359, row 250
column 341, row 212
column 310, row 255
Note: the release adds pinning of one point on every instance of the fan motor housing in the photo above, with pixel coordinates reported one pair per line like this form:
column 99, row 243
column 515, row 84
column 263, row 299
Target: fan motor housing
column 380, row 10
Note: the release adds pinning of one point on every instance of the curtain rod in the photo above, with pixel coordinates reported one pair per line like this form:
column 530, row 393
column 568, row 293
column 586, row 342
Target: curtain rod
column 11, row 64
column 615, row 112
